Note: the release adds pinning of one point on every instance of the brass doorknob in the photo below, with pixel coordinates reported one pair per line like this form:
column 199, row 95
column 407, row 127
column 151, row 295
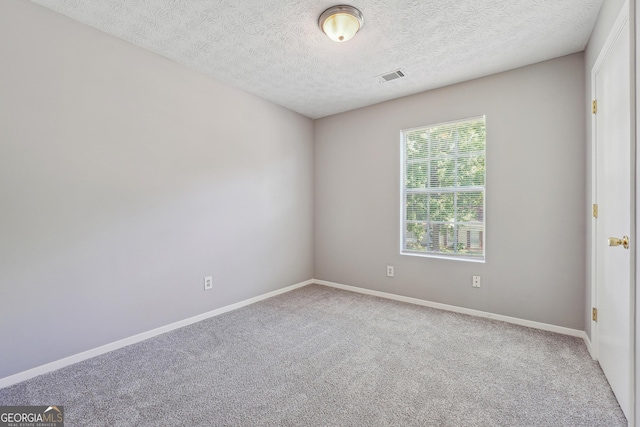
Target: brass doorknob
column 614, row 241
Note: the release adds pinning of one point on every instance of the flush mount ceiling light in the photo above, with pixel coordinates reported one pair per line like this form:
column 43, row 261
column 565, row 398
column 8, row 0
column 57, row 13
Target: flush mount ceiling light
column 341, row 23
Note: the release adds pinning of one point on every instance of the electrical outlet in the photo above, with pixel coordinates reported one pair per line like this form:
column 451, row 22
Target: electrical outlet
column 208, row 283
column 476, row 281
column 389, row 271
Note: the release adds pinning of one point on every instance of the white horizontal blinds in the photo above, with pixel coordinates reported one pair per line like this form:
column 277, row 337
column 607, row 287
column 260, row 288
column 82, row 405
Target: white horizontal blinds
column 444, row 188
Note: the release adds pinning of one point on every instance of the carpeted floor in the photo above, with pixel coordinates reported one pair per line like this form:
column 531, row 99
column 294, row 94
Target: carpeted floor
column 319, row 356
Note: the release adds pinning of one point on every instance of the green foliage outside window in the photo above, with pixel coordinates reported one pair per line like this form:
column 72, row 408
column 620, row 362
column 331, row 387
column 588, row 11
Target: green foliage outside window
column 444, row 187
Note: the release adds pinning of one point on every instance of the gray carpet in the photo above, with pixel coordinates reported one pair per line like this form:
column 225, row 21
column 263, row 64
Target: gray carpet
column 319, row 356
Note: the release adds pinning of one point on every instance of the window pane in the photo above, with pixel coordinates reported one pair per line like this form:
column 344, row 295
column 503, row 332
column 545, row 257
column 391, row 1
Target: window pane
column 417, row 145
column 417, row 175
column 470, row 241
column 415, row 235
column 441, row 141
column 445, row 239
column 471, row 136
column 443, row 173
column 470, row 207
column 471, row 171
column 441, row 207
column 417, row 207
column 425, row 237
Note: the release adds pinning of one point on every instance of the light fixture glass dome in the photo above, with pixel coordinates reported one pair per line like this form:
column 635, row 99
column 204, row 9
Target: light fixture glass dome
column 341, row 23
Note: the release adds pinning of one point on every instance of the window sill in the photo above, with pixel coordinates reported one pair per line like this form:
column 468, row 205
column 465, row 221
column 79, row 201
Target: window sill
column 439, row 256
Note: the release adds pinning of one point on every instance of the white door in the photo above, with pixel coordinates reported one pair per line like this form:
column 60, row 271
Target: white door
column 612, row 129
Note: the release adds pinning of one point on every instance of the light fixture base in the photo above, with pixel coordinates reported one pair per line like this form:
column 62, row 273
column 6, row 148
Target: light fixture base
column 341, row 23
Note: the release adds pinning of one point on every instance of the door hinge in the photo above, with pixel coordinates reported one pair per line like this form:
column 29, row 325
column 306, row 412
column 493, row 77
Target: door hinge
column 594, row 106
column 594, row 314
column 594, row 210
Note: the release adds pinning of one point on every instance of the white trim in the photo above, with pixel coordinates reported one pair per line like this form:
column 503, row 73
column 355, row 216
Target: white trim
column 625, row 16
column 67, row 361
column 404, row 161
column 616, row 29
column 633, row 392
column 435, row 255
column 471, row 312
column 447, row 123
column 594, row 221
column 61, row 363
column 587, row 342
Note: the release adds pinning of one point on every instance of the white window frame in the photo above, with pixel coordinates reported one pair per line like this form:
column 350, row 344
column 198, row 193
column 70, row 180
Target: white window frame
column 404, row 191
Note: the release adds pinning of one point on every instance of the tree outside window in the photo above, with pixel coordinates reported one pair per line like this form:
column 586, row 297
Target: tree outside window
column 444, row 189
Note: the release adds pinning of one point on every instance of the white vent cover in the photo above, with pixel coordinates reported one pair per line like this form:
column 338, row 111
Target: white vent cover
column 387, row 77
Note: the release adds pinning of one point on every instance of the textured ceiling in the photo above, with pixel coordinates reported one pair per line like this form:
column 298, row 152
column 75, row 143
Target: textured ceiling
column 274, row 48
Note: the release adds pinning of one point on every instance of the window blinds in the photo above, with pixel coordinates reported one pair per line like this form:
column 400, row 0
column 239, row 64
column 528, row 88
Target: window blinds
column 443, row 194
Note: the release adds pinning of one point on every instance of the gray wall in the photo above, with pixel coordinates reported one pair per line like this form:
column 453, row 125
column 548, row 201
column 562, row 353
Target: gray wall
column 535, row 265
column 607, row 17
column 124, row 180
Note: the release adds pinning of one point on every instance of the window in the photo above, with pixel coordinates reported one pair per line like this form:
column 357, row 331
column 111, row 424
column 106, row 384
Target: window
column 443, row 190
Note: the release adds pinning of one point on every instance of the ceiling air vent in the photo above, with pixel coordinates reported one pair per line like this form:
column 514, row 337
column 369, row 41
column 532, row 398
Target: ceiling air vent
column 393, row 75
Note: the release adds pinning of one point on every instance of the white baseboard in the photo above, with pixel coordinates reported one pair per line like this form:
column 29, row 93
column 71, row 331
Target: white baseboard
column 587, row 342
column 478, row 313
column 52, row 366
column 49, row 367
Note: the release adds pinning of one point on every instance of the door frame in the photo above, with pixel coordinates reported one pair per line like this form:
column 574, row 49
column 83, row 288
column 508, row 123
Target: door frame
column 627, row 13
